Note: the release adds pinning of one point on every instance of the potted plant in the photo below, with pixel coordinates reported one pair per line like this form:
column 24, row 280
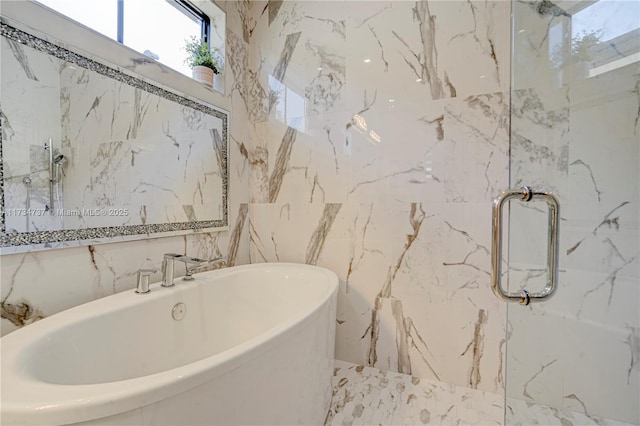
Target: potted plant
column 204, row 61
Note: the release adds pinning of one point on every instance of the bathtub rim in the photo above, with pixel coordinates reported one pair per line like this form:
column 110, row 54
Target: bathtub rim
column 76, row 403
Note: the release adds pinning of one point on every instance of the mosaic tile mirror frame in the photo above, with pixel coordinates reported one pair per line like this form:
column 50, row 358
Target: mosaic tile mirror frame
column 91, row 154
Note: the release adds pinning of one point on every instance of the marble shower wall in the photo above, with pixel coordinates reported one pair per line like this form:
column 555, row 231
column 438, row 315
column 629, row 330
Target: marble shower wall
column 39, row 284
column 578, row 134
column 379, row 138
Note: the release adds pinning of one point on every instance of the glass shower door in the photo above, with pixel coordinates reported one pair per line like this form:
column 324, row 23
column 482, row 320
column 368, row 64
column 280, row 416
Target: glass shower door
column 575, row 131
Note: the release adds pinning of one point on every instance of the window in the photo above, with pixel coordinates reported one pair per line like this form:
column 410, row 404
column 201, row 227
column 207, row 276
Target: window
column 605, row 34
column 156, row 28
column 609, row 18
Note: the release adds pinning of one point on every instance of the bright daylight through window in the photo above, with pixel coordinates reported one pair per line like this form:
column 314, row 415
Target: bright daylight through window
column 606, row 34
column 142, row 25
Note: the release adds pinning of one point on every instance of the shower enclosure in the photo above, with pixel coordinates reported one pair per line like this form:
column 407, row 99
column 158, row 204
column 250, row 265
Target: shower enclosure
column 575, row 131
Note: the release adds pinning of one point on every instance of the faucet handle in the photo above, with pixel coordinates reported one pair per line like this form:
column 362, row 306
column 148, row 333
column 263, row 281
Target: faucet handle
column 142, row 285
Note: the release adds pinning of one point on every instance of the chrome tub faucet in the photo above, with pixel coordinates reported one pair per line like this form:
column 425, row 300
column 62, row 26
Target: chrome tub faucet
column 142, row 286
column 201, row 263
column 168, row 266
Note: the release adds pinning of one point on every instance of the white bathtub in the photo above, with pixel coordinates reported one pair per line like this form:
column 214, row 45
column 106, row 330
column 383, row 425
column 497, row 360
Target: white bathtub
column 255, row 347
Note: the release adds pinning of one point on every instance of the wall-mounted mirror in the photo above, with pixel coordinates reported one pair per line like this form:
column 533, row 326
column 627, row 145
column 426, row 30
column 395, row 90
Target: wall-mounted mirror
column 93, row 154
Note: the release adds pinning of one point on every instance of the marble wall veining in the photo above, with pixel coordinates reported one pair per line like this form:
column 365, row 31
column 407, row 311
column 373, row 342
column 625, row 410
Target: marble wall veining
column 576, row 133
column 381, row 133
column 39, row 284
column 370, row 137
column 377, row 149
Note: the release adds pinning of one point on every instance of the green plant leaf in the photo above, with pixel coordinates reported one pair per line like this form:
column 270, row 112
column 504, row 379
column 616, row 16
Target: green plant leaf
column 199, row 53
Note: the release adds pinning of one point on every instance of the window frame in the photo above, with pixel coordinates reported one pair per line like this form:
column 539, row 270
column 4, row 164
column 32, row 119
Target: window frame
column 189, row 9
column 205, row 18
column 183, row 6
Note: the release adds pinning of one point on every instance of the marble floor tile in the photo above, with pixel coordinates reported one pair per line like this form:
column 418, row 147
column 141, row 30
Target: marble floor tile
column 369, row 396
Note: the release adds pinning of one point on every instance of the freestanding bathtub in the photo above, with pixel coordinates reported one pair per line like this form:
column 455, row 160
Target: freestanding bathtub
column 254, row 346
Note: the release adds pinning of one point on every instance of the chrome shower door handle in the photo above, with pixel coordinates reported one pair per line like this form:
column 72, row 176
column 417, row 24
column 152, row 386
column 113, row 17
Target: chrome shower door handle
column 525, row 194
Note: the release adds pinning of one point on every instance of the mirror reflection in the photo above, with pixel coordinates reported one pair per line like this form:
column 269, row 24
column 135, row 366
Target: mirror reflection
column 88, row 148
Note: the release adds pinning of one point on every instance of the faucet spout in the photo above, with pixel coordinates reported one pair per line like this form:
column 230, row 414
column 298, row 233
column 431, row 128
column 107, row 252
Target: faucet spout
column 200, row 263
column 168, row 266
column 193, row 264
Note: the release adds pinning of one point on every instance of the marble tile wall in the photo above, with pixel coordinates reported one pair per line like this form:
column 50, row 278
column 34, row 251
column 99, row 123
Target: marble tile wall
column 578, row 135
column 375, row 149
column 379, row 139
column 39, row 284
